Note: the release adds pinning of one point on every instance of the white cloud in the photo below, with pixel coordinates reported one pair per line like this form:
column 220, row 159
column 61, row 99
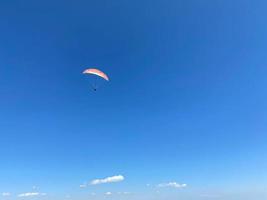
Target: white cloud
column 172, row 184
column 83, row 185
column 31, row 194
column 111, row 179
column 6, row 194
column 108, row 193
column 123, row 193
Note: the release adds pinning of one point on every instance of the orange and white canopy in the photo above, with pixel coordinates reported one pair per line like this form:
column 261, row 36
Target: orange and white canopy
column 96, row 72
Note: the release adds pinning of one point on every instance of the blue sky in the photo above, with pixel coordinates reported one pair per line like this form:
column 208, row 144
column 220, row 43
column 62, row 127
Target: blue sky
column 186, row 103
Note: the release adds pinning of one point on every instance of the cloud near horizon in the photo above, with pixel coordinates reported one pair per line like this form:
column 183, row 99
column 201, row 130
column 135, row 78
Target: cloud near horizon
column 5, row 194
column 83, row 185
column 172, row 184
column 31, row 194
column 112, row 179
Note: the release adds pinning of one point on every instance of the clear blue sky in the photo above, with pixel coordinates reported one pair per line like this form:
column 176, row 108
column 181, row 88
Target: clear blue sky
column 186, row 102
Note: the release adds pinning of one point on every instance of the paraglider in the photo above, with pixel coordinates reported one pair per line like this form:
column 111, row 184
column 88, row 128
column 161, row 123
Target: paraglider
column 96, row 74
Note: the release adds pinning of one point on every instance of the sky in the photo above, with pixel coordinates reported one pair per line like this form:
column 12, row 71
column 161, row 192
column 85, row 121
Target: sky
column 182, row 117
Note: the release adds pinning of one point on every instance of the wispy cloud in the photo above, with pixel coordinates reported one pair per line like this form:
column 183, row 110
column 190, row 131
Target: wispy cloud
column 172, row 184
column 123, row 193
column 6, row 194
column 31, row 194
column 108, row 193
column 83, row 185
column 112, row 179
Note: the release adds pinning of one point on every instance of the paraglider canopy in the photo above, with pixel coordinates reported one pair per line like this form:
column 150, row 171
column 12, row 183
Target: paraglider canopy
column 96, row 72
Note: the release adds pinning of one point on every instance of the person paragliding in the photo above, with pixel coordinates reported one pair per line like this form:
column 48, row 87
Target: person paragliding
column 97, row 77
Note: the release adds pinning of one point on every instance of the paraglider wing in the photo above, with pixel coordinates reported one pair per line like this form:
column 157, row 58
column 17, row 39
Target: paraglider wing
column 96, row 72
